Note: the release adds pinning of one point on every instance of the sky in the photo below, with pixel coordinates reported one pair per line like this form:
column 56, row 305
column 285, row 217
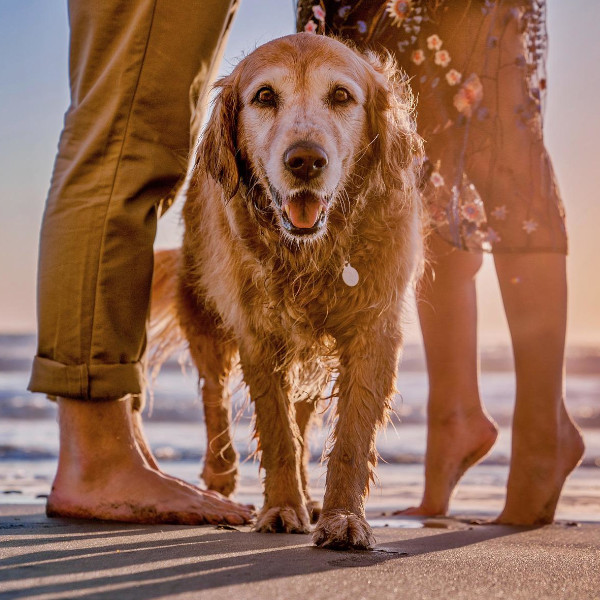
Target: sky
column 34, row 97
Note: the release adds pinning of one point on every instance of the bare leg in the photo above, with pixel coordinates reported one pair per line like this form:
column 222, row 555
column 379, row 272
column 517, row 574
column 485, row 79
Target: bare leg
column 103, row 474
column 142, row 441
column 144, row 446
column 459, row 432
column 546, row 445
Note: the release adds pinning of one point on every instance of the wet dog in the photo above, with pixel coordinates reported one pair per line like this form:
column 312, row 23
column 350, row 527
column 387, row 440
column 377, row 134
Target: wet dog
column 302, row 235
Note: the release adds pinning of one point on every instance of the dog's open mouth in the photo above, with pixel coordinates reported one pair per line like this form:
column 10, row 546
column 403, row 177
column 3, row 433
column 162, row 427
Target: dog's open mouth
column 304, row 213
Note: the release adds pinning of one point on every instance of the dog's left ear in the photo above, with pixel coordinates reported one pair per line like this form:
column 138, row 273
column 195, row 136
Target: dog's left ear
column 217, row 152
column 392, row 127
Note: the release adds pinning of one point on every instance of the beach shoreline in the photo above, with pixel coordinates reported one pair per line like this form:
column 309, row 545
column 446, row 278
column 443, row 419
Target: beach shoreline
column 479, row 494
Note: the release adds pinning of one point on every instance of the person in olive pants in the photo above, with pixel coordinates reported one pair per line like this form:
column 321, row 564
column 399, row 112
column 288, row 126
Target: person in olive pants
column 122, row 151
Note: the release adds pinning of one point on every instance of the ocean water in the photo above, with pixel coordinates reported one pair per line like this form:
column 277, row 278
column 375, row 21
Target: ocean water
column 174, row 427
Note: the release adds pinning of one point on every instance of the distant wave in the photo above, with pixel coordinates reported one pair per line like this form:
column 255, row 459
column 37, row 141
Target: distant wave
column 17, row 350
column 173, row 453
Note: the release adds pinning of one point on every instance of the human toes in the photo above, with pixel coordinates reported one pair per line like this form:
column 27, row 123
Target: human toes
column 234, row 513
column 416, row 511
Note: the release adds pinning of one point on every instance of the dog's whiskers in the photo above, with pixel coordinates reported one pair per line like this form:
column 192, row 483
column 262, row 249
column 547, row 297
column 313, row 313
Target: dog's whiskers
column 362, row 151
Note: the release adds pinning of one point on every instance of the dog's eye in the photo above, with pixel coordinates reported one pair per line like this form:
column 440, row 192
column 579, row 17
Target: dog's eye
column 341, row 95
column 266, row 96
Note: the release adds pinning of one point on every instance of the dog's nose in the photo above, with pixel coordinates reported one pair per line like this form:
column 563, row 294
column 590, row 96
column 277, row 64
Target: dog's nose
column 305, row 160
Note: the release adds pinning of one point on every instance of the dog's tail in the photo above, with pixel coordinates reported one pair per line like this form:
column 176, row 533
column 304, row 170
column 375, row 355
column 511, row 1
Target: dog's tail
column 165, row 336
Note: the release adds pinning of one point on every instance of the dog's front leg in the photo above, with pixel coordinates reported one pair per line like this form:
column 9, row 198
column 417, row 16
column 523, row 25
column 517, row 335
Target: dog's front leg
column 278, row 435
column 305, row 416
column 366, row 384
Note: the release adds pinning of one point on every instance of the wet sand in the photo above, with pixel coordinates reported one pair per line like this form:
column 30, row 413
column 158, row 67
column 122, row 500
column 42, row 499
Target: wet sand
column 456, row 558
column 450, row 558
column 480, row 492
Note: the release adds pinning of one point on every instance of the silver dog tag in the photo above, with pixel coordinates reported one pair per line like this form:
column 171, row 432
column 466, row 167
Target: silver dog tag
column 350, row 275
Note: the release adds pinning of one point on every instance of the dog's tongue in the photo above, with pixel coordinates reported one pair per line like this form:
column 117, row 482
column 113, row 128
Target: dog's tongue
column 303, row 213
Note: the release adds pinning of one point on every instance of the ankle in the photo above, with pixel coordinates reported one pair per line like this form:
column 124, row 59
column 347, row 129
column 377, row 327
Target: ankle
column 458, row 417
column 95, row 437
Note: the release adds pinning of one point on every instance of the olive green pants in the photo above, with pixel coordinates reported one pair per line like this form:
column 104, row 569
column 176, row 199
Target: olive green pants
column 123, row 148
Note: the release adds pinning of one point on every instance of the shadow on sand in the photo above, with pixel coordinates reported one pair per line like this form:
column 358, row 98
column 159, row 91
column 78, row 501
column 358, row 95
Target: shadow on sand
column 56, row 558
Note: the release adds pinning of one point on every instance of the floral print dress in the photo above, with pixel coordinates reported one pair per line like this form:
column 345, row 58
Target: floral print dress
column 477, row 70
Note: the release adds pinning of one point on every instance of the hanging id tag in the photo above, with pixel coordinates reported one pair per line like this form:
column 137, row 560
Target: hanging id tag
column 350, row 275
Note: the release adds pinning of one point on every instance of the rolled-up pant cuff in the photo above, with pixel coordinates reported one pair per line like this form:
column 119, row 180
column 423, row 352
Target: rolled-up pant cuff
column 87, row 382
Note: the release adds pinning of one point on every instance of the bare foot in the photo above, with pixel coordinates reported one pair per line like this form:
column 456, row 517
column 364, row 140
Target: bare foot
column 103, row 474
column 539, row 468
column 453, row 446
column 140, row 494
column 220, row 474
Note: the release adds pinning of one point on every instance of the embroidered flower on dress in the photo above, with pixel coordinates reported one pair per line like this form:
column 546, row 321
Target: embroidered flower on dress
column 311, row 26
column 418, row 56
column 500, row 212
column 472, row 212
column 319, row 13
column 442, row 58
column 453, row 77
column 483, row 113
column 434, row 42
column 488, row 6
column 530, row 226
column 492, row 236
column 398, row 10
column 437, row 213
column 469, row 95
column 437, row 179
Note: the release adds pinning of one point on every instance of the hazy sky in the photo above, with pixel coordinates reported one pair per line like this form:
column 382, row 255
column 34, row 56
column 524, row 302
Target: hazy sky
column 34, row 96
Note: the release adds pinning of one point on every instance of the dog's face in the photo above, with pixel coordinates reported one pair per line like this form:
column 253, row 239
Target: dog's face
column 295, row 118
column 302, row 123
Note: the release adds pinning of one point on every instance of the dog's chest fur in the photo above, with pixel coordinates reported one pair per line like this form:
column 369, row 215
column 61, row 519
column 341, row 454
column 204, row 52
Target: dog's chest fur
column 296, row 295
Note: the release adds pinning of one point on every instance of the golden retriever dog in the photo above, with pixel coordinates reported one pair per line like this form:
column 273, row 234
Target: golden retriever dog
column 302, row 235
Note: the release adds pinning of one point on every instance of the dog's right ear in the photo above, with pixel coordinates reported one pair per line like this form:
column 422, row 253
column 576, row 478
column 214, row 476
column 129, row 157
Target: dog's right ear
column 392, row 128
column 216, row 154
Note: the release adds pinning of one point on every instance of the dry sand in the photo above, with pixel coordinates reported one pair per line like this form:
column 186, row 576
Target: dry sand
column 53, row 558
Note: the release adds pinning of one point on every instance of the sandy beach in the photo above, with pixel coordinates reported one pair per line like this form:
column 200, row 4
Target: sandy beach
column 46, row 559
column 459, row 557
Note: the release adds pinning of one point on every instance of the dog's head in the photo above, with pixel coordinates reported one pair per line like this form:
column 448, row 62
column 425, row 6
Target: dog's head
column 304, row 119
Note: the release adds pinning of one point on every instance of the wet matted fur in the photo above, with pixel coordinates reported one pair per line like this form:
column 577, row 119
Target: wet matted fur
column 306, row 165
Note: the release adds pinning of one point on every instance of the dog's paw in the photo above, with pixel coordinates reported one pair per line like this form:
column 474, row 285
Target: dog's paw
column 343, row 530
column 283, row 519
column 221, row 477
